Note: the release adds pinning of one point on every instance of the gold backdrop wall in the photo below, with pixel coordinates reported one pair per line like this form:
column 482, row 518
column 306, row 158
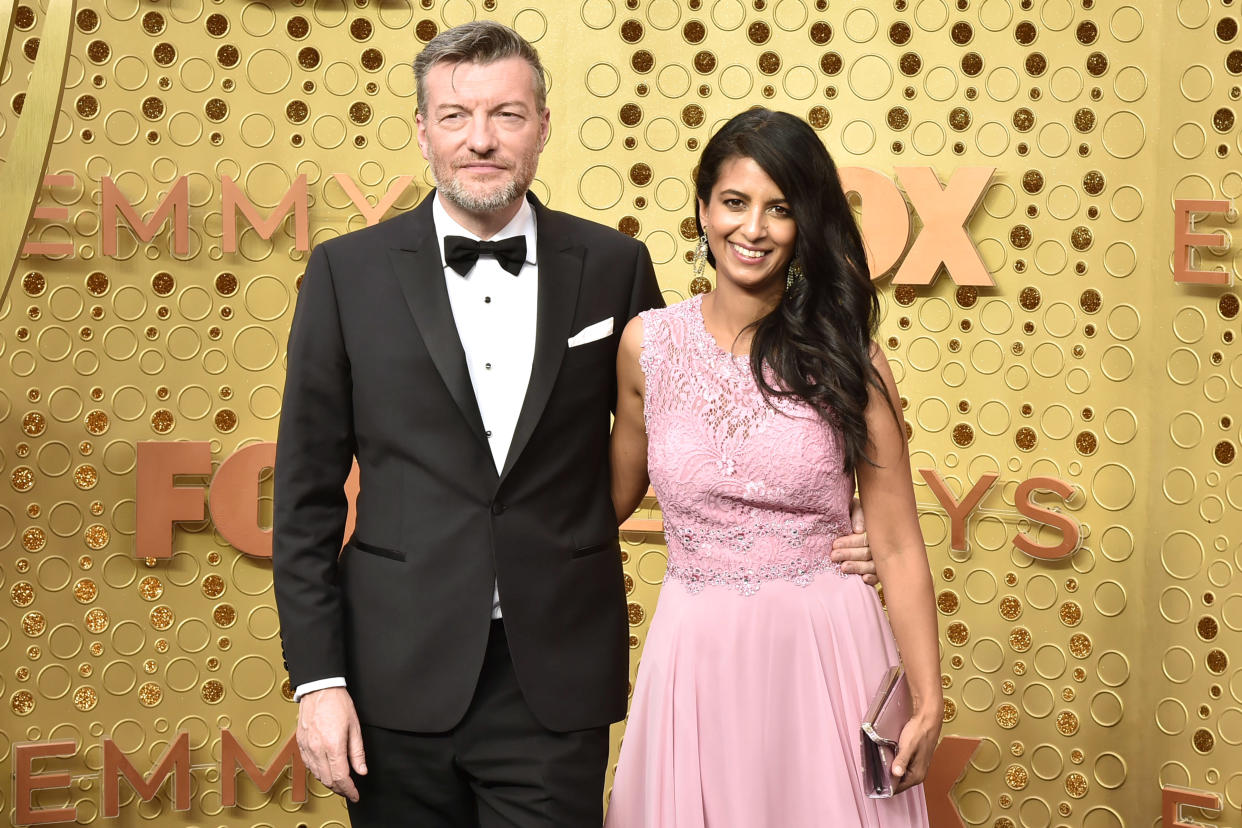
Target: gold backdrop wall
column 1091, row 680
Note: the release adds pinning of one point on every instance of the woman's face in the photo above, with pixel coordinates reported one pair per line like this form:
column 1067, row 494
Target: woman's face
column 749, row 226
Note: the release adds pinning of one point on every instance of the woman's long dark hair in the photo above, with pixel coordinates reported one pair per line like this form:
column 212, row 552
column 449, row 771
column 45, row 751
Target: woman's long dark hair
column 817, row 341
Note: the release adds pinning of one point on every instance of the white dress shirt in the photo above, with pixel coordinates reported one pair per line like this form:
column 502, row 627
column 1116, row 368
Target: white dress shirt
column 495, row 314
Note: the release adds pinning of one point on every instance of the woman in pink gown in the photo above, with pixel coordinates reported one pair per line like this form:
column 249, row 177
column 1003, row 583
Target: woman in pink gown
column 755, row 408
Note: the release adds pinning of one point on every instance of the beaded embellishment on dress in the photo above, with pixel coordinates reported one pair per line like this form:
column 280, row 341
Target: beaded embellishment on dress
column 738, row 510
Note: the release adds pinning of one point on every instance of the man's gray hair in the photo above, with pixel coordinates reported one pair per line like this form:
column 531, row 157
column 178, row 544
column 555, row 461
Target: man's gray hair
column 480, row 41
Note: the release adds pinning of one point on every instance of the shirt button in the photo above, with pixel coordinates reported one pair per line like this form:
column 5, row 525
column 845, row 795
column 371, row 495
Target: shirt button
column 487, row 299
column 488, row 433
column 487, row 365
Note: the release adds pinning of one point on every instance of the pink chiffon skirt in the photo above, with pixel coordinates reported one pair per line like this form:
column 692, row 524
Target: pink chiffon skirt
column 746, row 711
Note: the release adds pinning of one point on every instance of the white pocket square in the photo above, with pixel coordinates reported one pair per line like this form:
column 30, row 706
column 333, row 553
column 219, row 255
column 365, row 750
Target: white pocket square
column 591, row 333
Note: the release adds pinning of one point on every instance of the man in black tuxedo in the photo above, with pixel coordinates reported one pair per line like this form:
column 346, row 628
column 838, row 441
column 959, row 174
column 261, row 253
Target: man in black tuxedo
column 472, row 632
column 473, row 382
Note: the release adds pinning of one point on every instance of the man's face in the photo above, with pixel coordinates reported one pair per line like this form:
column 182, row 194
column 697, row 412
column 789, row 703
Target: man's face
column 482, row 132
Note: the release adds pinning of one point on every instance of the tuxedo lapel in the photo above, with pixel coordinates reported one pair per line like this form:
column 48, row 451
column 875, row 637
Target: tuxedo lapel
column 415, row 260
column 560, row 276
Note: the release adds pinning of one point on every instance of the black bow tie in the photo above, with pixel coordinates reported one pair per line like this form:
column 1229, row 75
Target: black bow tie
column 460, row 253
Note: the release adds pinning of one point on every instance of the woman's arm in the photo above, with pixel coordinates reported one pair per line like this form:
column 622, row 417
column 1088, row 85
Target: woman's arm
column 628, row 450
column 887, row 493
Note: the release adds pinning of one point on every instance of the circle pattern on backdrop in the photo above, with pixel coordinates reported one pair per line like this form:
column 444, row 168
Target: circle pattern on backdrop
column 1031, row 376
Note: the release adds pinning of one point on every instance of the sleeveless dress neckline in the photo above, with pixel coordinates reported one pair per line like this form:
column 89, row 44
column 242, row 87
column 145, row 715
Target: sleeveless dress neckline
column 709, row 339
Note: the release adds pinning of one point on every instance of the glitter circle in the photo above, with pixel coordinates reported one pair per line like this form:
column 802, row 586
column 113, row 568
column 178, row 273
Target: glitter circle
column 96, row 536
column 150, row 588
column 213, row 586
column 224, row 615
column 150, row 694
column 635, row 613
column 85, row 590
column 1020, row 639
column 96, row 622
column 22, row 594
column 1070, row 614
column 162, row 617
column 22, row 478
column 34, row 623
column 23, row 702
column 85, row 698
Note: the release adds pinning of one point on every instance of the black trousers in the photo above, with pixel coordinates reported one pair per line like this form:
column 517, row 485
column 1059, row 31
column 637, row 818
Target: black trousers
column 498, row 767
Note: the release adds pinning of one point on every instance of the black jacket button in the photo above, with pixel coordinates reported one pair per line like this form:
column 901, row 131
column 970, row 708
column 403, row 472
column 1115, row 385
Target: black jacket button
column 498, row 508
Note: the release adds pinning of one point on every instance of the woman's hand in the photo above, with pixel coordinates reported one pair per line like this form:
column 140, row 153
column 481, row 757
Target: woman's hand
column 916, row 745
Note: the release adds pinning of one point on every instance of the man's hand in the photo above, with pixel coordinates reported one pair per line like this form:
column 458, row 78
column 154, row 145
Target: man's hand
column 852, row 551
column 330, row 739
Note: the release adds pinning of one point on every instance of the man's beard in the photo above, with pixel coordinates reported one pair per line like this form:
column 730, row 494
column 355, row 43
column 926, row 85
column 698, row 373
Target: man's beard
column 497, row 198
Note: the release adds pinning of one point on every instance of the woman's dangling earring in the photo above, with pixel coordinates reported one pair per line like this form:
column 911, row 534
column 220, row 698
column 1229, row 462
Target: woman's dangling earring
column 793, row 273
column 700, row 256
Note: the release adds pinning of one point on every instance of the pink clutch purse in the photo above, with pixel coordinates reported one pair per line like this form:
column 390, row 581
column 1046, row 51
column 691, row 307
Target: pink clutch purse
column 889, row 712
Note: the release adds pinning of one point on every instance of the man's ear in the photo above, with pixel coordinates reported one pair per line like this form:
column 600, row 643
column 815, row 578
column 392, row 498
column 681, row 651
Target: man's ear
column 420, row 132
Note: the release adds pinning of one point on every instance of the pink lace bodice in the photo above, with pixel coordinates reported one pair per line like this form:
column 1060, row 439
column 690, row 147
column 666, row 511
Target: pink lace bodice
column 751, row 491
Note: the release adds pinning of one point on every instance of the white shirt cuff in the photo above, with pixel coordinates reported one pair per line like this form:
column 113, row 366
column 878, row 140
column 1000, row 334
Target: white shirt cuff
column 320, row 684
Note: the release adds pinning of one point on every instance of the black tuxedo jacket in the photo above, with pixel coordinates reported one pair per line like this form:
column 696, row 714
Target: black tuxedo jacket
column 376, row 371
